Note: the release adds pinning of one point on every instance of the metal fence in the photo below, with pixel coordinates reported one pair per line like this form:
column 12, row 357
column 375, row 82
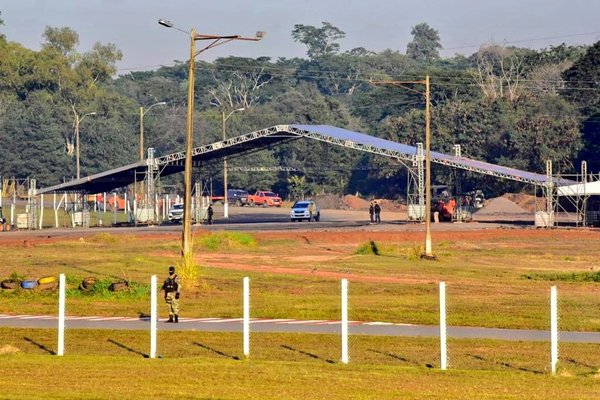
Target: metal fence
column 462, row 336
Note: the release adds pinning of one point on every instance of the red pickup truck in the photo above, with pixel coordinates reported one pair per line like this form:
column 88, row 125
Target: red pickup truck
column 265, row 199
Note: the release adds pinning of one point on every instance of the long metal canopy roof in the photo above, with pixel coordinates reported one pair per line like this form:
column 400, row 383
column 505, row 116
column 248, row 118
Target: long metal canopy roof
column 174, row 163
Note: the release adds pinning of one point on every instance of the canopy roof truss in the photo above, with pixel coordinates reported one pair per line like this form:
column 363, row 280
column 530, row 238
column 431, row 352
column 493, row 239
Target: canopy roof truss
column 174, row 163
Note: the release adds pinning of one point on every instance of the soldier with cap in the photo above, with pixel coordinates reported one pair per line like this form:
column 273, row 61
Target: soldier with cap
column 171, row 287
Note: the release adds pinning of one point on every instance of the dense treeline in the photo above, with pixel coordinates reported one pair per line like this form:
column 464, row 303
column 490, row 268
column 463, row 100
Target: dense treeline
column 512, row 106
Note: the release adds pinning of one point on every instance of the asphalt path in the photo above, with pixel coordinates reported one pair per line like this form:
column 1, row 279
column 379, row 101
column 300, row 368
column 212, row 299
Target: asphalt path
column 292, row 326
column 260, row 219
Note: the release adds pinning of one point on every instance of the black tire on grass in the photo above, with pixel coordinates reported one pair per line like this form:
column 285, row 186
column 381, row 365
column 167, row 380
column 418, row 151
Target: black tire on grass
column 11, row 284
column 118, row 286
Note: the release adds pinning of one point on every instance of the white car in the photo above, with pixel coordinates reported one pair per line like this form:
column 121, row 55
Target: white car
column 308, row 210
column 176, row 213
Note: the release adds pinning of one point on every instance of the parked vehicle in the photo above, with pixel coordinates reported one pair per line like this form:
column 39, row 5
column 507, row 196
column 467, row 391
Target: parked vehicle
column 265, row 199
column 176, row 213
column 307, row 209
column 238, row 197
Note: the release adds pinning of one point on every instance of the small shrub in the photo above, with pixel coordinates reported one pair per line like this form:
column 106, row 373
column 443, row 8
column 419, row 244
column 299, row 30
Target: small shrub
column 368, row 248
column 103, row 238
column 414, row 253
column 100, row 289
column 14, row 276
column 226, row 240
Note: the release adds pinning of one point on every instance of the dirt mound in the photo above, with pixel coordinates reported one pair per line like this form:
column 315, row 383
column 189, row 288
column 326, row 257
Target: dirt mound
column 524, row 200
column 501, row 205
column 329, row 201
column 392, row 205
column 351, row 202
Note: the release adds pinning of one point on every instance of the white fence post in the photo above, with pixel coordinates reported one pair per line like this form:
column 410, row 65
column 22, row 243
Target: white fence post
column 443, row 336
column 246, row 316
column 153, row 315
column 41, row 211
column 553, row 328
column 344, row 321
column 61, row 315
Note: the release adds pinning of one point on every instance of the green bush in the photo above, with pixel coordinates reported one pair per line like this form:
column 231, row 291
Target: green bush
column 225, row 240
column 571, row 277
column 368, row 248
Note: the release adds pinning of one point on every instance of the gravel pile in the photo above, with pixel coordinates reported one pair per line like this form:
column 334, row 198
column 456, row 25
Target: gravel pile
column 501, row 205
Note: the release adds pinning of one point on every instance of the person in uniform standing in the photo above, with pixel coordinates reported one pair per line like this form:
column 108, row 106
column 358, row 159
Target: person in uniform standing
column 171, row 286
column 377, row 210
column 210, row 213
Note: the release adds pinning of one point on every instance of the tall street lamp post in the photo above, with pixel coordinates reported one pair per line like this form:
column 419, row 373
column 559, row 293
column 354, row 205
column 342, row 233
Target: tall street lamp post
column 225, row 196
column 215, row 40
column 428, row 248
column 77, row 122
column 142, row 113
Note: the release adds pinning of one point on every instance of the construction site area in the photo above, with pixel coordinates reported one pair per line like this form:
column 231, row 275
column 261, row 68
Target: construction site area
column 133, row 194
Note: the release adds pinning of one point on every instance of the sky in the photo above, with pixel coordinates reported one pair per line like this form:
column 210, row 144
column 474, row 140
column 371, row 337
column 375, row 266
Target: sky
column 463, row 25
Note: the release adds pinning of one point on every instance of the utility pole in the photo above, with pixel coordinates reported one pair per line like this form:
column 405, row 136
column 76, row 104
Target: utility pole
column 215, row 40
column 428, row 248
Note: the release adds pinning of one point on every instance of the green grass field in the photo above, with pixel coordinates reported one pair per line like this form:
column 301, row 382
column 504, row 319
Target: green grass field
column 498, row 279
column 112, row 364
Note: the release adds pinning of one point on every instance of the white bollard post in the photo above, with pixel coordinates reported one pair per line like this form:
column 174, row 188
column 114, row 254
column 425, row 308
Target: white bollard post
column 41, row 211
column 135, row 211
column 61, row 315
column 443, row 336
column 55, row 208
column 153, row 315
column 345, row 321
column 246, row 316
column 553, row 328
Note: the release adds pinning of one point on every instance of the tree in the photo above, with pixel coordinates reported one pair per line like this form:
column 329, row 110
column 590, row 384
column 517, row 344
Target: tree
column 64, row 40
column 499, row 72
column 582, row 81
column 240, row 82
column 425, row 45
column 319, row 41
column 297, row 187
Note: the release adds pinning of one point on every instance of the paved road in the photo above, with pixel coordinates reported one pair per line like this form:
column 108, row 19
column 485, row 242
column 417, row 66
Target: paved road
column 292, row 326
column 274, row 219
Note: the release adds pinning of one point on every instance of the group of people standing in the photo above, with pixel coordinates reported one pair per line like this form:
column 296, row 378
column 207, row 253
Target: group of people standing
column 375, row 212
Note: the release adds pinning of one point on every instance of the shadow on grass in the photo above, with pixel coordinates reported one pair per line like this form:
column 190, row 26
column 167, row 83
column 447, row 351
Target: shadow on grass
column 306, row 353
column 397, row 357
column 505, row 364
column 143, row 316
column 219, row 352
column 39, row 345
column 593, row 370
column 121, row 345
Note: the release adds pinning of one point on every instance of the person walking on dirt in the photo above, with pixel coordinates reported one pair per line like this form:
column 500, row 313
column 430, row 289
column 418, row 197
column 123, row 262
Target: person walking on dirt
column 171, row 287
column 371, row 211
column 210, row 213
column 377, row 210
